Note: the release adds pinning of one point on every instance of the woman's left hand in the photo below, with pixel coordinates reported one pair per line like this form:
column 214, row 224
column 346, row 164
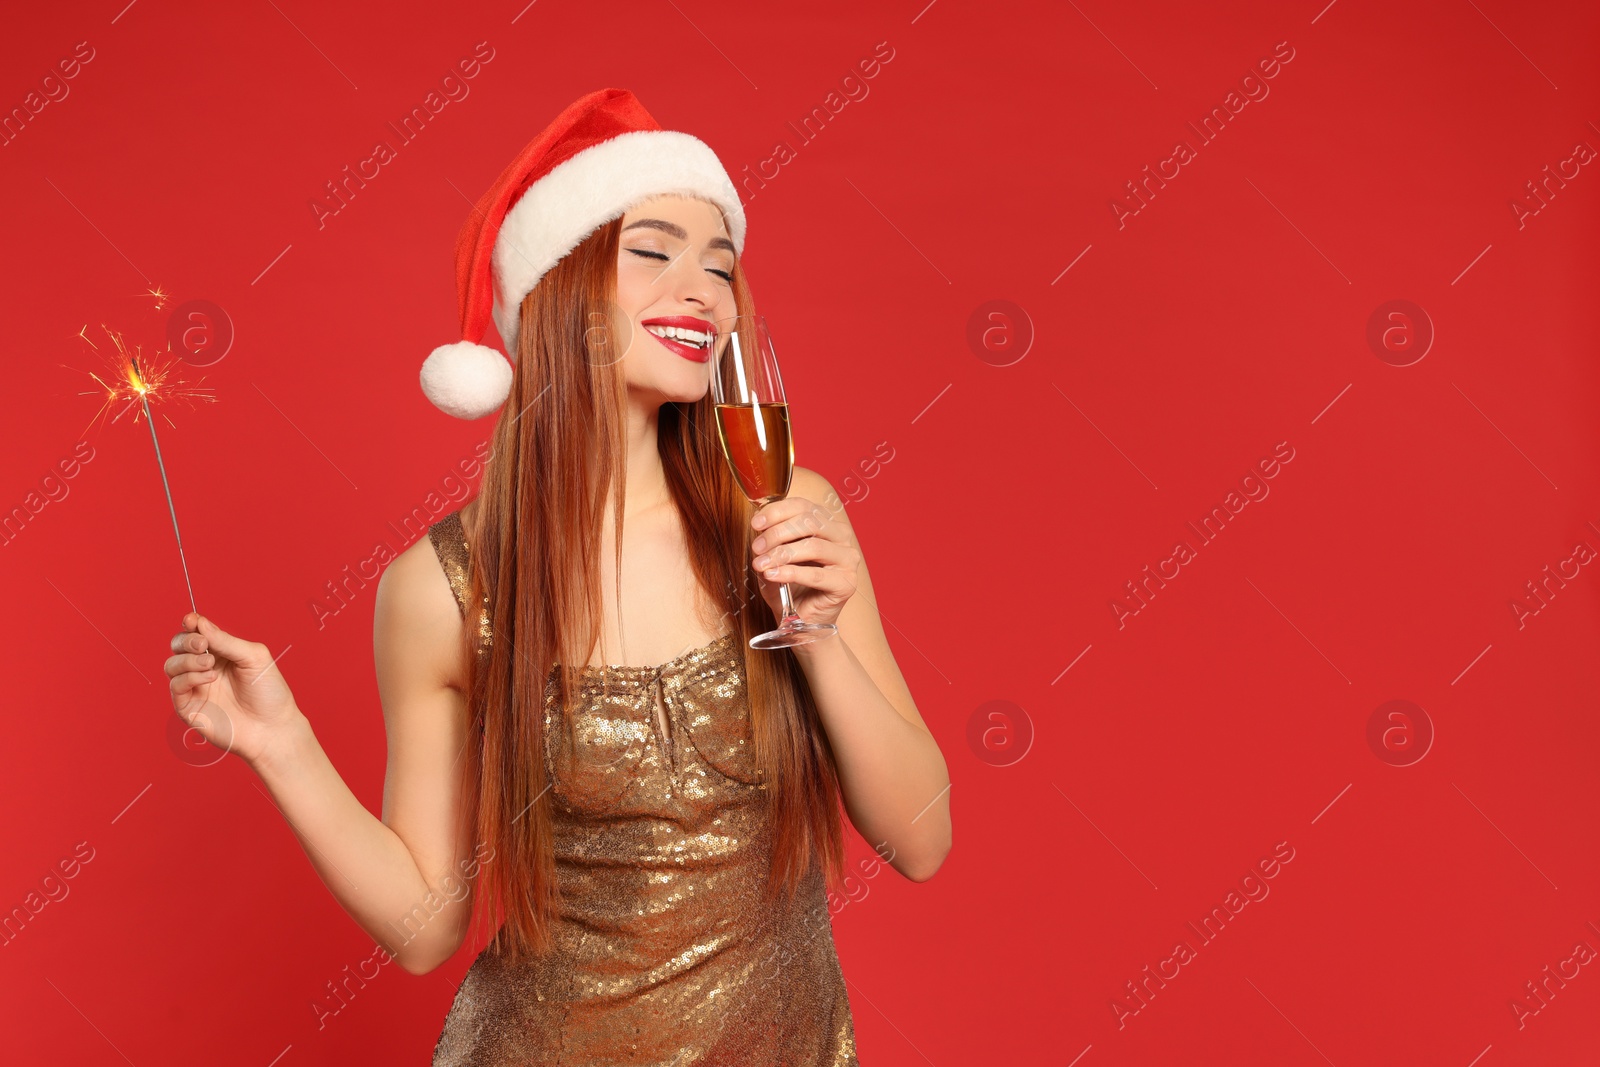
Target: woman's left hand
column 800, row 542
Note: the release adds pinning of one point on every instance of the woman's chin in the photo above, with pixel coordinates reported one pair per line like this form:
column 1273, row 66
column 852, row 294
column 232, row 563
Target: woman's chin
column 688, row 396
column 667, row 391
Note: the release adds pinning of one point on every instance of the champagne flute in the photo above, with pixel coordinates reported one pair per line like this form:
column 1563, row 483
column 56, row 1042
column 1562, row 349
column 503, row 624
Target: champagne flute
column 753, row 426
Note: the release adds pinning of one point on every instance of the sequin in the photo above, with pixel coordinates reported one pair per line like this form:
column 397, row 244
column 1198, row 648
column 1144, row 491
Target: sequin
column 664, row 951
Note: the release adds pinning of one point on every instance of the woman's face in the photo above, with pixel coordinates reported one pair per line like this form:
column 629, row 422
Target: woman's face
column 674, row 264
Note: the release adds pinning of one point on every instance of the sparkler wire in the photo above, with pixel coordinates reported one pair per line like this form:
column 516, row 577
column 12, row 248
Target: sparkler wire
column 165, row 485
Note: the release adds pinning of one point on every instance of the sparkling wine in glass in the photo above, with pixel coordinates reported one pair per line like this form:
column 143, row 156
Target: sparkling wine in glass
column 753, row 426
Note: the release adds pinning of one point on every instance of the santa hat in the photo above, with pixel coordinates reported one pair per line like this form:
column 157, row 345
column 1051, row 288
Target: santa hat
column 600, row 157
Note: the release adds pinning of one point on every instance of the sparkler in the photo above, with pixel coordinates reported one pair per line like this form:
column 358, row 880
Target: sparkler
column 132, row 386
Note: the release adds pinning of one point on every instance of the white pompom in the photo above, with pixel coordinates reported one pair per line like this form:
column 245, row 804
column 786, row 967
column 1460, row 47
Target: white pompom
column 466, row 380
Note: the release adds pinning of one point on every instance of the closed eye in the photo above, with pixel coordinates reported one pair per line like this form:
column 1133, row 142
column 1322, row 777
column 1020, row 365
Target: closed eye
column 726, row 276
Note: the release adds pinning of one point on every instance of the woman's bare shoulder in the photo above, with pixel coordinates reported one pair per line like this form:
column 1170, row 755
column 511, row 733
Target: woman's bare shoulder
column 416, row 617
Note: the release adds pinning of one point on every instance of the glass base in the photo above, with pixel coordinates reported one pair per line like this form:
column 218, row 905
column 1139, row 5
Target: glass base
column 794, row 632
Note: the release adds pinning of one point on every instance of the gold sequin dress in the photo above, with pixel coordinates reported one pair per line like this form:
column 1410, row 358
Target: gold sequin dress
column 664, row 953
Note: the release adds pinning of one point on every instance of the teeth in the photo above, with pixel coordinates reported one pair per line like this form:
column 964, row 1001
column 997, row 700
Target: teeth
column 678, row 333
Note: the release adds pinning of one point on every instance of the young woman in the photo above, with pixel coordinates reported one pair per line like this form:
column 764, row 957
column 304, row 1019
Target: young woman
column 649, row 834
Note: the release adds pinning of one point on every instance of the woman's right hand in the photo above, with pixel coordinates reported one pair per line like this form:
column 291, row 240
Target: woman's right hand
column 228, row 689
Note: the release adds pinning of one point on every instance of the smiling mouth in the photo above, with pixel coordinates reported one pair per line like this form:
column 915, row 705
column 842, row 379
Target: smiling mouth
column 696, row 339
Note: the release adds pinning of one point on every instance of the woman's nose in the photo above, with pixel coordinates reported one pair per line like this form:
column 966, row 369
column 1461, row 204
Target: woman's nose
column 690, row 281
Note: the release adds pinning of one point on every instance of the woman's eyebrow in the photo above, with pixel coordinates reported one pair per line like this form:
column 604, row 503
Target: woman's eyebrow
column 679, row 232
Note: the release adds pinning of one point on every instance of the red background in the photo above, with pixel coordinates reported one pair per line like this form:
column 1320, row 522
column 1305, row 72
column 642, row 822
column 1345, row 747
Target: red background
column 1228, row 315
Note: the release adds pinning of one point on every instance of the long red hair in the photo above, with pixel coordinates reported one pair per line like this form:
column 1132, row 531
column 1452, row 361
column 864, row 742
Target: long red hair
column 535, row 554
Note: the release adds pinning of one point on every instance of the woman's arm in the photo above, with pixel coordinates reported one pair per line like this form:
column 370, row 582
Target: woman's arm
column 406, row 880
column 895, row 781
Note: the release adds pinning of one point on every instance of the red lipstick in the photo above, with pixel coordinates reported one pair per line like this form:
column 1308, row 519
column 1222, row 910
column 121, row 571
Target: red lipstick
column 687, row 350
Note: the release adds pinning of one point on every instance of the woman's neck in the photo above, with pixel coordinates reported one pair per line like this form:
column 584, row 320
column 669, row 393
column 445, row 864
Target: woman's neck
column 647, row 478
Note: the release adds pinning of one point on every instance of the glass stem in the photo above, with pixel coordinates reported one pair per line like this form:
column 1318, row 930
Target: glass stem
column 788, row 604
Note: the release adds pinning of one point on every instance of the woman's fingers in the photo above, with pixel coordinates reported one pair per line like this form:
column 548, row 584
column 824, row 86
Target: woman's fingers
column 806, row 550
column 769, row 515
column 788, row 518
column 209, row 637
column 182, row 684
column 189, row 661
column 200, row 714
column 188, row 641
column 814, row 562
column 824, row 579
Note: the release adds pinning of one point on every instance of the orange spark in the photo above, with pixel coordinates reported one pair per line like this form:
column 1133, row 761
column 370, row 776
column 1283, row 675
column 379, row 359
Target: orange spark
column 132, row 381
